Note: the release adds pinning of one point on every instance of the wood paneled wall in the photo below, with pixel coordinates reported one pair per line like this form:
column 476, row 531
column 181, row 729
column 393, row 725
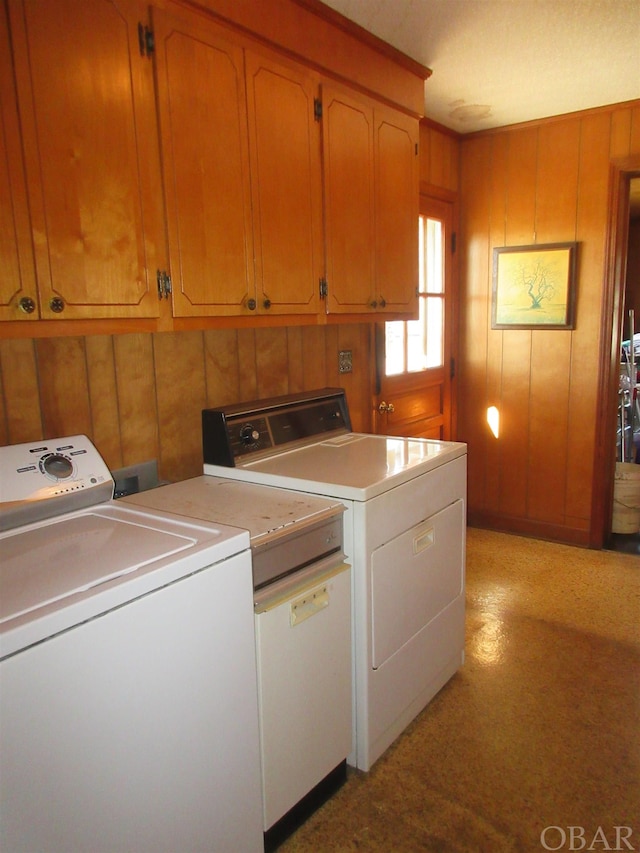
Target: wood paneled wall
column 139, row 396
column 540, row 183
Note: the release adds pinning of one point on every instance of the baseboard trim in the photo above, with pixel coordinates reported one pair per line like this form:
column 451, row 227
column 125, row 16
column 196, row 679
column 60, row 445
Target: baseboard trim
column 529, row 527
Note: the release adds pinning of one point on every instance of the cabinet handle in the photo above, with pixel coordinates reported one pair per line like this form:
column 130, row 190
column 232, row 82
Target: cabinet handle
column 267, row 303
column 383, row 302
column 386, row 407
column 27, row 305
column 373, row 303
column 251, row 304
column 57, row 304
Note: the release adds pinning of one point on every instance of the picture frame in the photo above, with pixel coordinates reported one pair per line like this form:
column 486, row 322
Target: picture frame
column 534, row 286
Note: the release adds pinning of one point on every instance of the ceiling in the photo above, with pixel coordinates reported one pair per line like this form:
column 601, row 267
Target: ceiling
column 501, row 62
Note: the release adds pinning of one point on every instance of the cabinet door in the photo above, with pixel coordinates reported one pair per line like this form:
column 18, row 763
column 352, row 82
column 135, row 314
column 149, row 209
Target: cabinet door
column 90, row 140
column 17, row 283
column 286, row 180
column 397, row 193
column 202, row 106
column 348, row 153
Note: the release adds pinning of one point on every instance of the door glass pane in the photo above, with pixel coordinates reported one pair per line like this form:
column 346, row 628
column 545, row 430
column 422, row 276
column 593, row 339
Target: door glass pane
column 431, row 266
column 434, row 354
column 394, row 333
column 417, row 345
column 417, row 341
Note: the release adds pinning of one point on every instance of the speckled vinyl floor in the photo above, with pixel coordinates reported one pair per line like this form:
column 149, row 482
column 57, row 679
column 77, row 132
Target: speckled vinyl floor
column 538, row 732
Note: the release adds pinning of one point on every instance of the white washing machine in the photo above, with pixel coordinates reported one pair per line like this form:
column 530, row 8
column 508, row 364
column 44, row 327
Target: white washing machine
column 128, row 701
column 405, row 535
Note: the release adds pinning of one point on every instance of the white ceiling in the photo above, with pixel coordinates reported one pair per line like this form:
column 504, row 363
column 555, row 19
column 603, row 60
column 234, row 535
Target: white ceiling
column 501, row 62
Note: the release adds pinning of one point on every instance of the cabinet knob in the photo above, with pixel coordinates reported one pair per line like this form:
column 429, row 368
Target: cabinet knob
column 27, row 305
column 386, row 407
column 57, row 304
column 251, row 304
column 383, row 302
column 373, row 303
column 267, row 303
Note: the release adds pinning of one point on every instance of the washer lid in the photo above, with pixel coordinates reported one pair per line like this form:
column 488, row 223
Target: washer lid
column 58, row 573
column 75, row 555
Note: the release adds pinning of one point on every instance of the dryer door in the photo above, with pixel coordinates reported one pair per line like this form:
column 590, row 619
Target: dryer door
column 414, row 577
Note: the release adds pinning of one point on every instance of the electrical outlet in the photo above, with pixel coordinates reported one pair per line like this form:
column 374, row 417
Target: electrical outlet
column 345, row 363
column 135, row 478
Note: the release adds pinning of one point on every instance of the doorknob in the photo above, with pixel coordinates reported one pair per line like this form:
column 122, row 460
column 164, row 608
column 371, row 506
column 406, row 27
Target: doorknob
column 386, row 407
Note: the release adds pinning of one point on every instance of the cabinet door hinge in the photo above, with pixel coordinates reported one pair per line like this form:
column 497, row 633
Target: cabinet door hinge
column 146, row 41
column 416, row 149
column 452, row 368
column 453, row 242
column 324, row 288
column 164, row 284
column 317, row 109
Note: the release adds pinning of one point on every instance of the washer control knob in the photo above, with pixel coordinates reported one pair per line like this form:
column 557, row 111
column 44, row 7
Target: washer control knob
column 249, row 435
column 56, row 466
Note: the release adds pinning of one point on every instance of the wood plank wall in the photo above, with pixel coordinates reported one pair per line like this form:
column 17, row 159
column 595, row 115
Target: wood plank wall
column 139, row 396
column 540, row 183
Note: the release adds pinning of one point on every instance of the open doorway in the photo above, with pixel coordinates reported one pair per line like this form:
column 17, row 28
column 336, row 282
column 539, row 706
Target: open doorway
column 625, row 526
column 625, row 175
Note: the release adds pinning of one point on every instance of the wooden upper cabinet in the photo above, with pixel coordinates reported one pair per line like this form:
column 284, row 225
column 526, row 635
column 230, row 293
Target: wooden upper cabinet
column 18, row 293
column 137, row 141
column 397, row 200
column 284, row 146
column 348, row 152
column 371, row 187
column 87, row 108
column 204, row 138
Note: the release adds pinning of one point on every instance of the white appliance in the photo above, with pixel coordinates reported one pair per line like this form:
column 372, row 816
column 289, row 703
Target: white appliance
column 405, row 529
column 302, row 597
column 128, row 702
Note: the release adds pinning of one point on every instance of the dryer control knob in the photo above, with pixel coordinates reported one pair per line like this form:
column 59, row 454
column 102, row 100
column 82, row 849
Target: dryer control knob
column 249, row 435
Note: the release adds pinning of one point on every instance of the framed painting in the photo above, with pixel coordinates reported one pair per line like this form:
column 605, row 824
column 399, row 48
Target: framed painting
column 534, row 286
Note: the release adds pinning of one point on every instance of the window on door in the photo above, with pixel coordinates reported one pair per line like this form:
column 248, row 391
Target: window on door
column 414, row 358
column 415, row 345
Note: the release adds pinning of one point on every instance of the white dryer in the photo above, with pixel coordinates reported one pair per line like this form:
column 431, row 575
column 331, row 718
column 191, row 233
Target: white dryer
column 405, row 535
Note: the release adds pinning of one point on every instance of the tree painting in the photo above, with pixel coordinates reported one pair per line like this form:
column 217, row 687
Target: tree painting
column 539, row 282
column 531, row 286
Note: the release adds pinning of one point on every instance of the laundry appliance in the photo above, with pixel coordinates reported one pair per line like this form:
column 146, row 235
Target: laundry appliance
column 128, row 701
column 404, row 535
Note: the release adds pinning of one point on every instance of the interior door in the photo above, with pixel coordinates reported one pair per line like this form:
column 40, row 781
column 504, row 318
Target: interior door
column 415, row 367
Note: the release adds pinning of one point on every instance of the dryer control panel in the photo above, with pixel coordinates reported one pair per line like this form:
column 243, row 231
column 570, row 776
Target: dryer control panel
column 256, row 429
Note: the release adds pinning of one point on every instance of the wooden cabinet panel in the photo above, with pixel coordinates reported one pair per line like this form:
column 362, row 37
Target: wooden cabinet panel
column 16, row 254
column 371, row 191
column 396, row 210
column 202, row 107
column 348, row 134
column 286, row 185
column 87, row 106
